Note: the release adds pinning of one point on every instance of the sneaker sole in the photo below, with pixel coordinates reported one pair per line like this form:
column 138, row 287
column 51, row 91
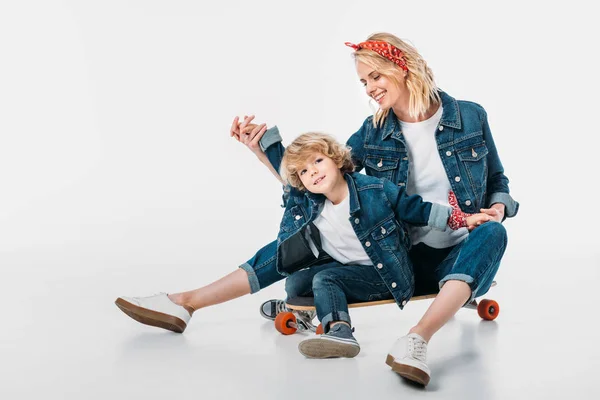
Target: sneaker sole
column 409, row 372
column 150, row 317
column 319, row 348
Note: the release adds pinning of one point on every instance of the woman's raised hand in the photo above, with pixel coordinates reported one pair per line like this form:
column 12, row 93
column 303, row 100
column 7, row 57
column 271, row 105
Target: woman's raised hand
column 248, row 133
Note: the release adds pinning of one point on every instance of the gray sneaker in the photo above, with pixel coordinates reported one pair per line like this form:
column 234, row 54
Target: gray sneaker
column 270, row 308
column 338, row 342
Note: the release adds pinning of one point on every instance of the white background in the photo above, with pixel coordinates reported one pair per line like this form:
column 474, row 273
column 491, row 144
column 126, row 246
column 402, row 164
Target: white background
column 118, row 177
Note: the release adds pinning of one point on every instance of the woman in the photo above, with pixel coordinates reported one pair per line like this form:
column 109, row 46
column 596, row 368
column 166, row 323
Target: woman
column 421, row 132
column 424, row 139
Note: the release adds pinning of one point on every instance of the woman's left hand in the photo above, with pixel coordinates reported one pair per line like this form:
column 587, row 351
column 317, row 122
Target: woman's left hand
column 496, row 211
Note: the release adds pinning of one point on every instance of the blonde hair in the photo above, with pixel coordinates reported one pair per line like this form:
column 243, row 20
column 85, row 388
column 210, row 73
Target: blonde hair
column 419, row 78
column 304, row 146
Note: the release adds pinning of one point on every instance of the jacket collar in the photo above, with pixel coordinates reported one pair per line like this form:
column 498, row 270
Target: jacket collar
column 450, row 117
column 352, row 193
column 318, row 199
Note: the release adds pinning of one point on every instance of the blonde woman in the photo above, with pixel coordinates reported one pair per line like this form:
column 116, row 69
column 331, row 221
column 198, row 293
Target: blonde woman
column 422, row 139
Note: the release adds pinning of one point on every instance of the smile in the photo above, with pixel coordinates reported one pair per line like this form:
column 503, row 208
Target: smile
column 379, row 96
column 319, row 180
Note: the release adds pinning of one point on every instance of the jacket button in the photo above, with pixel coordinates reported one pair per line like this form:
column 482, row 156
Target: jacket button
column 448, row 153
column 394, row 284
column 383, row 231
column 468, row 202
column 441, row 128
column 380, row 164
column 368, row 244
column 379, row 266
column 298, row 217
column 403, row 302
column 457, row 179
column 356, row 221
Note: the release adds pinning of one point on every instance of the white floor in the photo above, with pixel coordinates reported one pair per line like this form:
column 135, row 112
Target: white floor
column 63, row 338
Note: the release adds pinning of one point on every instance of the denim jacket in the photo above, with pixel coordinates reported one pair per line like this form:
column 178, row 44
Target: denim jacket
column 465, row 145
column 376, row 207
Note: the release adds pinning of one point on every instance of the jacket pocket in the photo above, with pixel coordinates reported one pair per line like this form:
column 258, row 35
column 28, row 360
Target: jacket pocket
column 293, row 218
column 381, row 167
column 474, row 159
column 386, row 235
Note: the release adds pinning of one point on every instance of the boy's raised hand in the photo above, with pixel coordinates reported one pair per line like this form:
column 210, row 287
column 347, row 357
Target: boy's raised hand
column 248, row 134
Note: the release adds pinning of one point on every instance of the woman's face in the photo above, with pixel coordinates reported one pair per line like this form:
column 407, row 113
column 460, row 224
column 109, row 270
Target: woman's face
column 379, row 87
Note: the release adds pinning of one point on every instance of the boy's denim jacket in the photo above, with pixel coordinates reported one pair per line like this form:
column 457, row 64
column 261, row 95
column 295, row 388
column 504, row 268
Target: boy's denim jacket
column 376, row 207
column 465, row 145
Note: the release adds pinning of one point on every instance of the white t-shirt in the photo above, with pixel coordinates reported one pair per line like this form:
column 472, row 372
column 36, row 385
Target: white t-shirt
column 427, row 178
column 337, row 235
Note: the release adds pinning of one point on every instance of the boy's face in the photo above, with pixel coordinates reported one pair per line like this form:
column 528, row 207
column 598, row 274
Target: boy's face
column 320, row 174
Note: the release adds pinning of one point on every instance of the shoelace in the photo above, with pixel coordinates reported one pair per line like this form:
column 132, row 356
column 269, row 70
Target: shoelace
column 280, row 307
column 417, row 349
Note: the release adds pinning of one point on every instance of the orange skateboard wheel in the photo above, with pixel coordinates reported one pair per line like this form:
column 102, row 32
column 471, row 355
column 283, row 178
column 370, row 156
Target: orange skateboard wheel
column 319, row 329
column 488, row 309
column 282, row 320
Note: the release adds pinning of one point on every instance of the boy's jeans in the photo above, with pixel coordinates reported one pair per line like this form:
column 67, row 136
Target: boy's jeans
column 262, row 268
column 334, row 285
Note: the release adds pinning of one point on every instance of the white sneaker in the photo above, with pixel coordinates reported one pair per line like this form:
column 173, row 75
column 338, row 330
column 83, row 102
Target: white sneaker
column 408, row 358
column 157, row 310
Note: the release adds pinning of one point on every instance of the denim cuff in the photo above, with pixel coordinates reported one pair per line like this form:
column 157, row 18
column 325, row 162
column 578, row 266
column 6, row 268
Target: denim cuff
column 252, row 278
column 342, row 316
column 511, row 206
column 270, row 137
column 468, row 279
column 438, row 217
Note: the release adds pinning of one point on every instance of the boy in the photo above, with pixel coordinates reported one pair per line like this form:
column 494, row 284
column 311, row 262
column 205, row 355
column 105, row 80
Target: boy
column 355, row 219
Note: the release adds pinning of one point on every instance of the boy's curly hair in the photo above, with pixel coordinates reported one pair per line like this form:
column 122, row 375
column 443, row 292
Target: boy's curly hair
column 305, row 145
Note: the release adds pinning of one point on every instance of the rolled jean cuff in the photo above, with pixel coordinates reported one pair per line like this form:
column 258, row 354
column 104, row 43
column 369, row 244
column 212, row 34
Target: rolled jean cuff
column 252, row 278
column 511, row 207
column 341, row 316
column 468, row 279
column 438, row 217
column 270, row 137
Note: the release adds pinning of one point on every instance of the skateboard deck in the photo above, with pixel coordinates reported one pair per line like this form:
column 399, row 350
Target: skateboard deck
column 297, row 320
column 308, row 303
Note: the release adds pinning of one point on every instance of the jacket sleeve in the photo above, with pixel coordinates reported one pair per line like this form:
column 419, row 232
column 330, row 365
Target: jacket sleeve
column 270, row 143
column 356, row 143
column 497, row 182
column 413, row 210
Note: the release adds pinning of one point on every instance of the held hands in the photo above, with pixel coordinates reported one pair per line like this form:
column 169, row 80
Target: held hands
column 496, row 211
column 459, row 219
column 248, row 134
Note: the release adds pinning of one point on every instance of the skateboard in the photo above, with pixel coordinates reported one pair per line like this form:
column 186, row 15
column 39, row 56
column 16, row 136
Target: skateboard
column 287, row 322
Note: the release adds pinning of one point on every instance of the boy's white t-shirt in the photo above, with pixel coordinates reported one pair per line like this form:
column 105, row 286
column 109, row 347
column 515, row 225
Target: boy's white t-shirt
column 338, row 238
column 427, row 178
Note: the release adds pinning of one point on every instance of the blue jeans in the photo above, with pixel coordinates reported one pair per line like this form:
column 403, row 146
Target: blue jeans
column 262, row 268
column 474, row 261
column 334, row 285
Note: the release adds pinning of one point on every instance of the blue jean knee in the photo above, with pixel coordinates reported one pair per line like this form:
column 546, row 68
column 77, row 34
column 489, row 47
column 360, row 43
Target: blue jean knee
column 300, row 283
column 476, row 259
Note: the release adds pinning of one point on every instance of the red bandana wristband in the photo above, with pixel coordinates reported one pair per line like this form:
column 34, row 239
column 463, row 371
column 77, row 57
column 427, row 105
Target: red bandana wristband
column 458, row 219
column 384, row 49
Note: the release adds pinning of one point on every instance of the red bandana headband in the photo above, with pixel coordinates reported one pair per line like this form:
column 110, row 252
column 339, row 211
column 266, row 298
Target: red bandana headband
column 384, row 49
